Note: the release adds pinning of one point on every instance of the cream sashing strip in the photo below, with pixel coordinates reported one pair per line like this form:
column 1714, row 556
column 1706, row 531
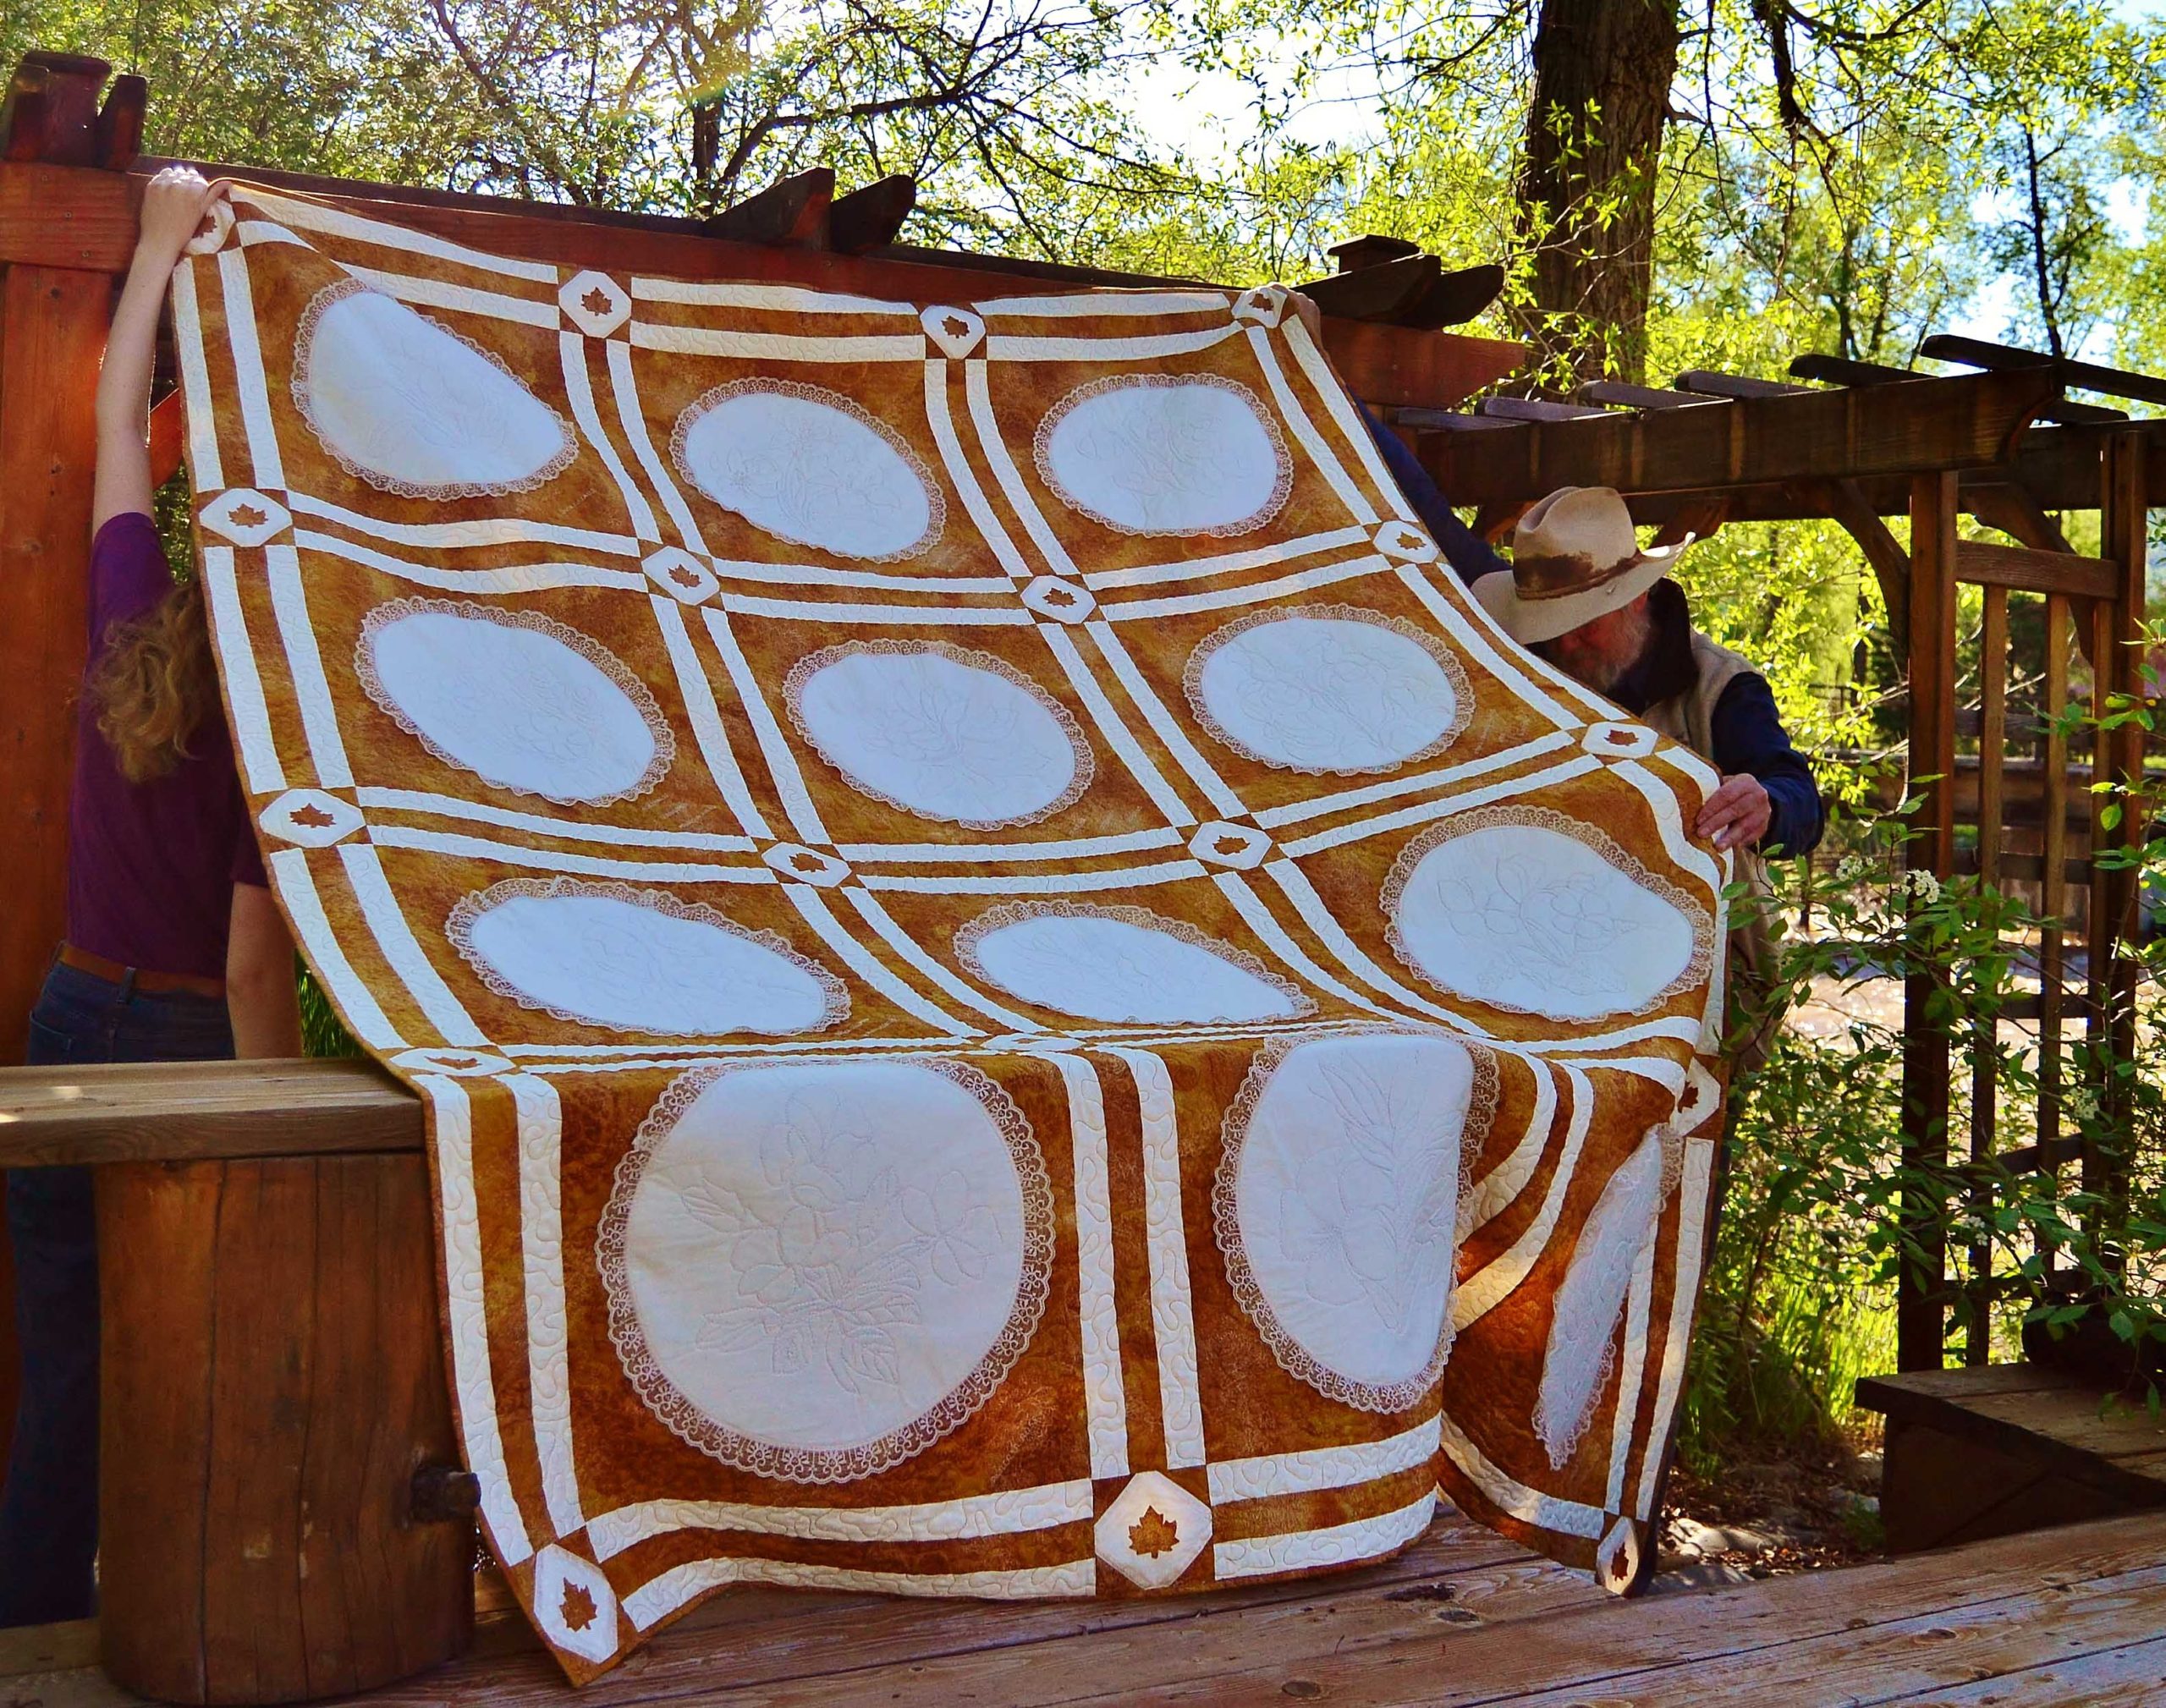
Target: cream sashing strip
column 1232, row 563
column 254, row 396
column 1081, row 305
column 1497, row 1188
column 556, row 860
column 970, row 1518
column 705, row 716
column 499, row 531
column 467, row 1317
column 542, row 1248
column 1163, row 724
column 1235, row 888
column 1290, row 407
column 1481, row 1292
column 794, row 299
column 305, row 659
column 1252, row 593
column 997, row 853
column 1105, row 1397
column 1702, row 866
column 1110, row 724
column 661, row 1596
column 1294, row 884
column 1180, row 1393
column 819, row 575
column 579, row 392
column 516, row 577
column 943, row 422
column 879, row 616
column 979, row 398
column 1685, row 1292
column 1323, row 1468
column 310, row 216
column 203, row 461
column 416, row 800
column 1631, row 1364
column 1334, row 1545
column 1514, row 1497
column 813, row 907
column 402, row 950
column 356, row 1007
column 1299, row 811
column 1578, row 765
column 774, row 745
column 632, row 414
column 776, row 347
column 1478, row 640
column 1341, row 411
column 1050, row 349
column 1039, row 883
column 441, row 294
column 883, row 922
column 251, row 717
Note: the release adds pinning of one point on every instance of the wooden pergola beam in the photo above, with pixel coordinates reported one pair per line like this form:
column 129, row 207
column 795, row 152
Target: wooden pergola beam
column 1971, row 420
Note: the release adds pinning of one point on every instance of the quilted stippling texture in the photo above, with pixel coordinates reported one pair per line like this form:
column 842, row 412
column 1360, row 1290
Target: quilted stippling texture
column 1016, row 994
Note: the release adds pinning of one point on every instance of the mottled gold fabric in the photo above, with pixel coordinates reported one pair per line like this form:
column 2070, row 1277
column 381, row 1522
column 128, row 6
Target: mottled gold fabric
column 1017, row 994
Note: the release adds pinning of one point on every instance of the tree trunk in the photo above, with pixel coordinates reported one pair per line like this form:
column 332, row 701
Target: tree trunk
column 1603, row 70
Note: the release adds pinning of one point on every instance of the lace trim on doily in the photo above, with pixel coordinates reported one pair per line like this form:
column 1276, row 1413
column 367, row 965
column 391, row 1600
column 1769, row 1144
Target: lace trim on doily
column 458, row 928
column 1282, row 487
column 805, row 1464
column 304, row 350
column 1699, row 966
column 806, row 669
column 1295, row 1359
column 599, row 656
column 972, row 933
column 936, row 500
column 1447, row 660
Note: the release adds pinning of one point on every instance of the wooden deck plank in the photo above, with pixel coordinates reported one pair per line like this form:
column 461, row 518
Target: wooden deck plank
column 2133, row 1676
column 795, row 1640
column 1604, row 1644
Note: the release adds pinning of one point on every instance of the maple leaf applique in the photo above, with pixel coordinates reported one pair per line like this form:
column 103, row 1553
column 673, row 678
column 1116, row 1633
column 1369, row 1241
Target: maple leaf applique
column 312, row 817
column 597, row 302
column 246, row 516
column 577, row 1609
column 1153, row 1534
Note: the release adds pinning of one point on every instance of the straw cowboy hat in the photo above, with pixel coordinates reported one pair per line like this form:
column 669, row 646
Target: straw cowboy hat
column 1574, row 558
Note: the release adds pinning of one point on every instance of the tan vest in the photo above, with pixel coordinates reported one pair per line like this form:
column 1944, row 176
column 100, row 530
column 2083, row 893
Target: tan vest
column 1689, row 718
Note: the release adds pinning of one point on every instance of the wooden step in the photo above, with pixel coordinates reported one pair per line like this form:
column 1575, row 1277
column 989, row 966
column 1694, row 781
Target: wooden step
column 1999, row 1449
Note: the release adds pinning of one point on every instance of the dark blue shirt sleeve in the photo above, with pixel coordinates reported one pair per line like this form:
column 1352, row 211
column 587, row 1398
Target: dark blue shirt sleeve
column 1464, row 550
column 1748, row 737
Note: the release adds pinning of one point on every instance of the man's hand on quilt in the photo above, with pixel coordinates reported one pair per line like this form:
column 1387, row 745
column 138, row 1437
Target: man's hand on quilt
column 1736, row 814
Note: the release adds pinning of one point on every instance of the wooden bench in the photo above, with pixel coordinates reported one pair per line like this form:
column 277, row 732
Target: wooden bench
column 1996, row 1449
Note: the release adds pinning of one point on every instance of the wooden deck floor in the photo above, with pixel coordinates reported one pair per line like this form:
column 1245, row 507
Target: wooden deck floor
column 2068, row 1616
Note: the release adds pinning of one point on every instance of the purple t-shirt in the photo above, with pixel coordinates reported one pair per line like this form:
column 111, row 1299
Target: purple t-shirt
column 151, row 865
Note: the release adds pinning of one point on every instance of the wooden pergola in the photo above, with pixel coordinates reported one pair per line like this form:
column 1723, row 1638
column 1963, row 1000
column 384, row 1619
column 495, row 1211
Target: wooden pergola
column 207, row 1578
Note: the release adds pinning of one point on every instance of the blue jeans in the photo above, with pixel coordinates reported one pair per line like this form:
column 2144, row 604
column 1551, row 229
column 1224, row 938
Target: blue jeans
column 49, row 1511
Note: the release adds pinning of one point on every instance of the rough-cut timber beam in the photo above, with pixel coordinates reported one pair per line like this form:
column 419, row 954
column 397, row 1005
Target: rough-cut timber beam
column 868, row 216
column 175, row 1111
column 1968, row 421
column 1846, row 501
column 2085, row 376
column 1841, row 370
column 50, row 109
column 1375, row 292
column 68, row 218
column 791, row 212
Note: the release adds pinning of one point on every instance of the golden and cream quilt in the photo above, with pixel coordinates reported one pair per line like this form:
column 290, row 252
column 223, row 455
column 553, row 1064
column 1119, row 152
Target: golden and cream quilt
column 1017, row 994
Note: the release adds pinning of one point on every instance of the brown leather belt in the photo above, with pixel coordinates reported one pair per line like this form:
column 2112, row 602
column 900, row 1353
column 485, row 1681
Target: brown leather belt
column 149, row 983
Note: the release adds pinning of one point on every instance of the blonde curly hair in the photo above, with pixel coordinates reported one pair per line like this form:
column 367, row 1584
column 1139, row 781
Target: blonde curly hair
column 155, row 684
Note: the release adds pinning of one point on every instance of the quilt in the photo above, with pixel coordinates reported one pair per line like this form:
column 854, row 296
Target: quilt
column 1016, row 994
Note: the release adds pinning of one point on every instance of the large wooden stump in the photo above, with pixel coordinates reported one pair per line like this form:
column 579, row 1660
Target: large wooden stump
column 273, row 1379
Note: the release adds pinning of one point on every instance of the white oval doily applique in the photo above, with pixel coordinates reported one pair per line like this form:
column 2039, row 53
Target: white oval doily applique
column 1582, row 1341
column 940, row 731
column 1328, row 689
column 1164, row 453
column 606, row 954
column 517, row 698
column 1527, row 909
column 1337, row 1205
column 810, row 466
column 815, row 1270
column 411, row 407
column 1121, row 964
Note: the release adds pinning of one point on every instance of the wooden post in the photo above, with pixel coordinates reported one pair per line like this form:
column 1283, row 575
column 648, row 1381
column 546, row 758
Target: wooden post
column 1993, row 754
column 1919, row 1311
column 273, row 1379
